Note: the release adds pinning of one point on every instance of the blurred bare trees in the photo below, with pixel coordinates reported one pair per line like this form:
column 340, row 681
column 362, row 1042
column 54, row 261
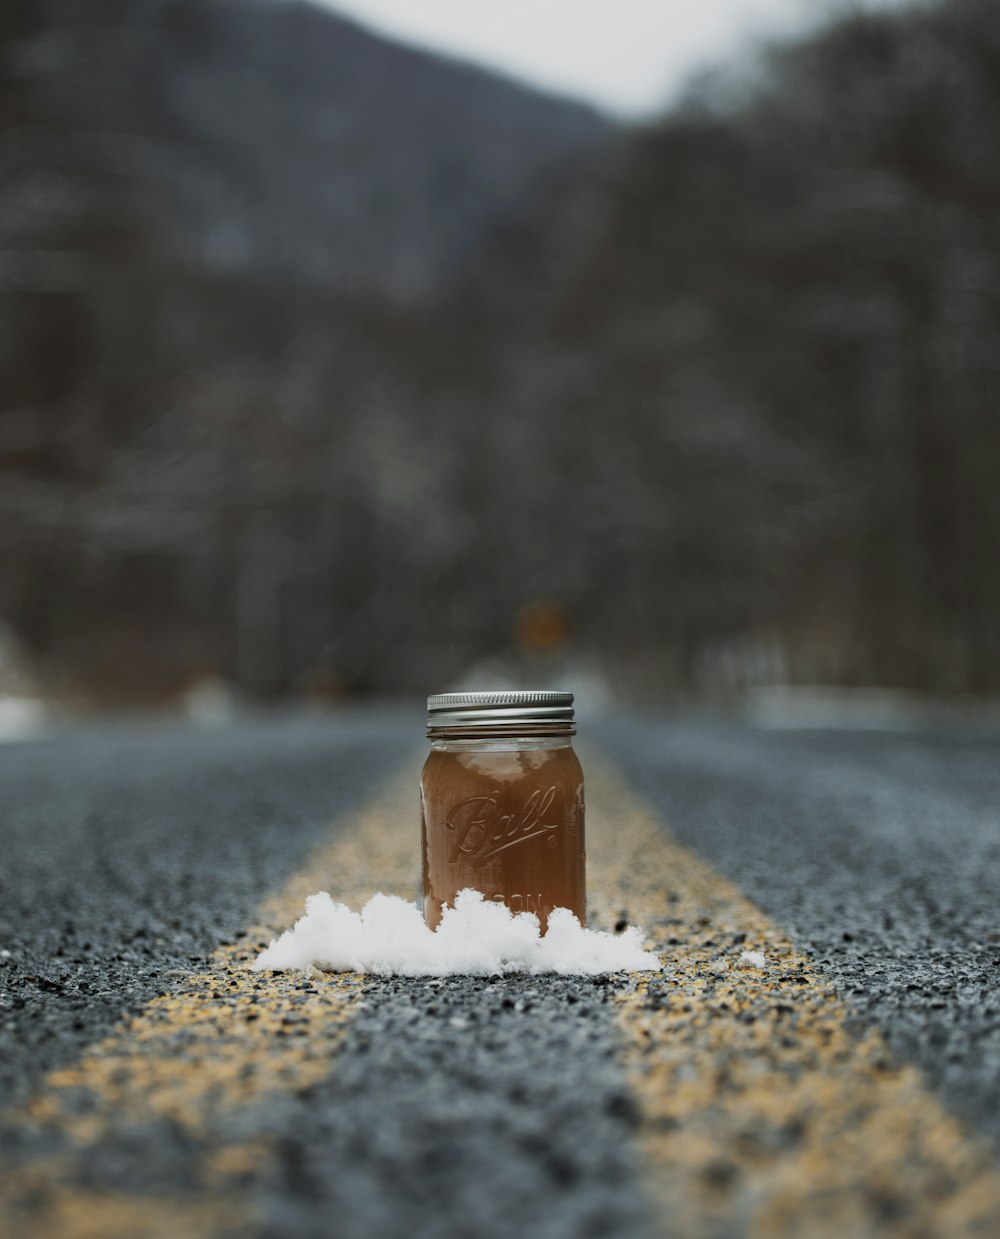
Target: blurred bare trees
column 722, row 389
column 773, row 373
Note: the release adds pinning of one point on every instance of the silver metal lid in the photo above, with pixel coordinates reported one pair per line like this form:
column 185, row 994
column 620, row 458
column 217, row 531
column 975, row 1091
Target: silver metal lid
column 508, row 709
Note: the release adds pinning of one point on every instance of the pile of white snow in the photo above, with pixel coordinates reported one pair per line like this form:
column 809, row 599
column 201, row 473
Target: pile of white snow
column 476, row 937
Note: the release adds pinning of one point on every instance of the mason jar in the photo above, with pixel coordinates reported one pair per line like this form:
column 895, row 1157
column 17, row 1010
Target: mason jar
column 501, row 798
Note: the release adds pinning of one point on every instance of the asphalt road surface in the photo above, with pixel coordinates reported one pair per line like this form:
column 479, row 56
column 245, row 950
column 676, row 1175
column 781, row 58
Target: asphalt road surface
column 151, row 1085
column 878, row 851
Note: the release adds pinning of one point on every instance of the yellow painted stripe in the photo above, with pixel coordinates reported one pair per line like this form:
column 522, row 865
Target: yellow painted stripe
column 229, row 1039
column 763, row 1111
column 763, row 1108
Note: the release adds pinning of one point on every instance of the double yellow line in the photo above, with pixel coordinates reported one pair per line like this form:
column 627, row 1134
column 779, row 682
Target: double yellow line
column 760, row 1108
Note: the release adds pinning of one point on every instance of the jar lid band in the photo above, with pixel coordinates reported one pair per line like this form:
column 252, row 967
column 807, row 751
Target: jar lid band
column 508, row 709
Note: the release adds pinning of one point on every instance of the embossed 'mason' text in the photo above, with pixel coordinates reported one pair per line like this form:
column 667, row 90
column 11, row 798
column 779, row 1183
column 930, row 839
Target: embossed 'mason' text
column 482, row 831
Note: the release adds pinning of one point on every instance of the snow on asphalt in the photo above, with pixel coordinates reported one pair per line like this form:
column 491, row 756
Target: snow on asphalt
column 477, row 937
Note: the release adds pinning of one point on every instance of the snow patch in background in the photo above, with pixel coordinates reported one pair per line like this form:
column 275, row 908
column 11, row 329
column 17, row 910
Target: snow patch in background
column 22, row 712
column 477, row 937
column 21, row 718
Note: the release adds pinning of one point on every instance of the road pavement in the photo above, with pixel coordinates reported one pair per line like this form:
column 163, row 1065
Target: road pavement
column 136, row 860
column 130, row 852
column 879, row 852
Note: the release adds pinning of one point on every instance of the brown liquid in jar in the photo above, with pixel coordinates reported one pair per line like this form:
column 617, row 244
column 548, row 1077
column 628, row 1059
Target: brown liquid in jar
column 508, row 823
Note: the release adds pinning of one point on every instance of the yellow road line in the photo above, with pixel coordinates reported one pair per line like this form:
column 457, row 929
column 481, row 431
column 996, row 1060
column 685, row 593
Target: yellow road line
column 763, row 1109
column 229, row 1039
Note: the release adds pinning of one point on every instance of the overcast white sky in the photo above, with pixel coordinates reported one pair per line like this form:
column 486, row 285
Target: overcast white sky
column 626, row 56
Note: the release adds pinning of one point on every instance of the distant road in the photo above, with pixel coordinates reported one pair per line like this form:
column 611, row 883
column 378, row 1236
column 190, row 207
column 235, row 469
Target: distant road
column 135, row 864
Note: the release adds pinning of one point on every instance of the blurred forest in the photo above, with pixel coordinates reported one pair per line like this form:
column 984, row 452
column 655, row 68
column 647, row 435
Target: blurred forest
column 324, row 363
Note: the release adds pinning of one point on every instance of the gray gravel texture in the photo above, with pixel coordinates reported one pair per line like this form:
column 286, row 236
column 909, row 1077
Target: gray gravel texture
column 128, row 852
column 425, row 1131
column 878, row 851
column 131, row 853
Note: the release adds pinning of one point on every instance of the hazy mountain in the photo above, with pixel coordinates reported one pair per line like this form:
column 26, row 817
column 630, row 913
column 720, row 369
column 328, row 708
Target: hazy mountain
column 277, row 139
column 321, row 361
column 243, row 336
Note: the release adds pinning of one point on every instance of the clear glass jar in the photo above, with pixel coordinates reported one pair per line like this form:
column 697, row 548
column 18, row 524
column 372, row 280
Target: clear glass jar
column 502, row 806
